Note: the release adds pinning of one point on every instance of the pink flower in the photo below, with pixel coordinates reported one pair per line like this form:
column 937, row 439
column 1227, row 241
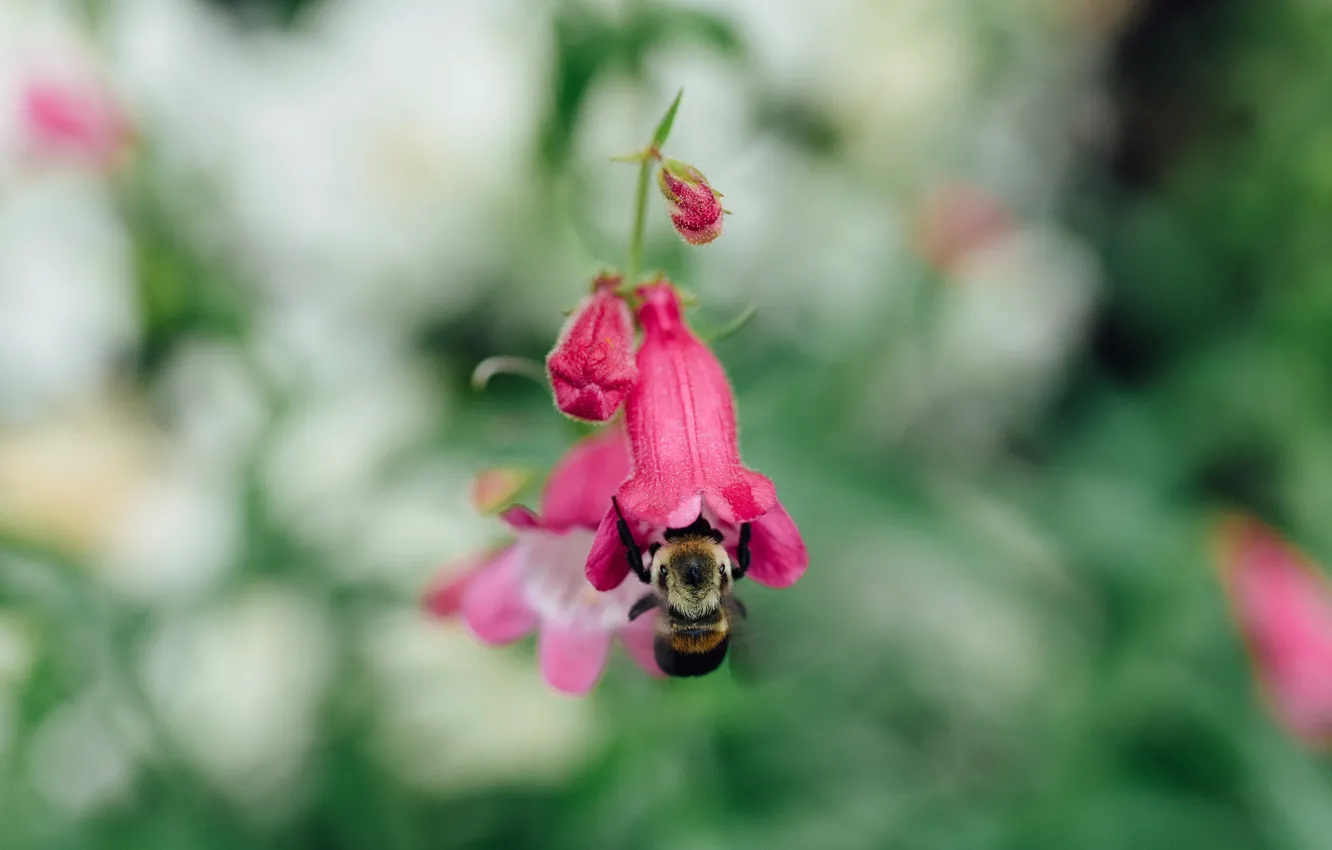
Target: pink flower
column 695, row 209
column 72, row 120
column 1284, row 608
column 682, row 432
column 591, row 367
column 537, row 582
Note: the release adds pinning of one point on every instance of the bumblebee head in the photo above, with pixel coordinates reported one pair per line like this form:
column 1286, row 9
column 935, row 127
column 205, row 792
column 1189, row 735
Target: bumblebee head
column 691, row 569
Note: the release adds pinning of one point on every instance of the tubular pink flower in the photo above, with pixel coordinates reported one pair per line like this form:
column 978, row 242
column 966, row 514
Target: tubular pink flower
column 537, row 582
column 682, row 432
column 695, row 209
column 1283, row 607
column 591, row 367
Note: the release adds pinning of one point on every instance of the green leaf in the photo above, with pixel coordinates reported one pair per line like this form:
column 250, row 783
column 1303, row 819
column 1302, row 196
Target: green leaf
column 667, row 120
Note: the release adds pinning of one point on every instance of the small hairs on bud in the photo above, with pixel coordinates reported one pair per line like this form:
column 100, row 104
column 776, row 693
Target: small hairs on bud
column 694, row 207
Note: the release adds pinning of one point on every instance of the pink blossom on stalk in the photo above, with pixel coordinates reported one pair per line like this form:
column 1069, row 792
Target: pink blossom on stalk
column 682, row 432
column 537, row 582
column 75, row 120
column 695, row 209
column 591, row 367
column 1283, row 606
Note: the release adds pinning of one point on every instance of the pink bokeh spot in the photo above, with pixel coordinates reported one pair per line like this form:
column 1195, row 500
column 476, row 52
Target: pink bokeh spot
column 78, row 121
column 1283, row 606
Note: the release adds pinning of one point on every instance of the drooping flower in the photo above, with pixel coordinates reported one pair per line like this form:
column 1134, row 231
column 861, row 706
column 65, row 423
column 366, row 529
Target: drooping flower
column 1283, row 606
column 591, row 367
column 537, row 582
column 694, row 207
column 682, row 431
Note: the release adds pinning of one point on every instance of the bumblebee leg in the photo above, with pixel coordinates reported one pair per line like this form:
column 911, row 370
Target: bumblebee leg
column 632, row 552
column 739, row 607
column 642, row 606
column 742, row 552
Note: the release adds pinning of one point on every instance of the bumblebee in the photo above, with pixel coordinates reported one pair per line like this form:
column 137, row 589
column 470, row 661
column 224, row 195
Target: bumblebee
column 691, row 576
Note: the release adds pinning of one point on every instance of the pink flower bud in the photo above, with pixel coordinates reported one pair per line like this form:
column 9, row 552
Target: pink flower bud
column 592, row 366
column 1283, row 607
column 695, row 209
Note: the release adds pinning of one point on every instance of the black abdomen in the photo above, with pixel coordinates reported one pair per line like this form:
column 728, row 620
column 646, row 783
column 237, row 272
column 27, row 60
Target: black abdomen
column 674, row 662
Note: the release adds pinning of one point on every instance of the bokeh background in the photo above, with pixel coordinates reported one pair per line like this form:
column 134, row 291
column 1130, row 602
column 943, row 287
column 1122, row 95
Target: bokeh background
column 1041, row 285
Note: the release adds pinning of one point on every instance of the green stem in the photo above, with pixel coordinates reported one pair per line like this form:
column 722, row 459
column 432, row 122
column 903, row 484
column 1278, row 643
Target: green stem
column 635, row 264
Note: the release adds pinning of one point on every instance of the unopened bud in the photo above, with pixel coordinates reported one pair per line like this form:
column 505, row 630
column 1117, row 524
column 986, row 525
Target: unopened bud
column 592, row 365
column 695, row 209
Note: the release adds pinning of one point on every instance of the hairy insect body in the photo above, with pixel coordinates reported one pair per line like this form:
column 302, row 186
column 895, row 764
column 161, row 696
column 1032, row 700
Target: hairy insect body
column 691, row 576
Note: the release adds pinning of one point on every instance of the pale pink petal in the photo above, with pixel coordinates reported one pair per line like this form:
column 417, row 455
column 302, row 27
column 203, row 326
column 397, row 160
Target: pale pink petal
column 572, row 657
column 637, row 638
column 607, row 564
column 493, row 606
column 444, row 596
column 581, row 485
column 686, row 513
column 777, row 552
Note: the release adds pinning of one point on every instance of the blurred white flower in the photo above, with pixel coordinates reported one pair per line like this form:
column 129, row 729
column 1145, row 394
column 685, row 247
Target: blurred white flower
column 66, row 295
column 178, row 533
column 84, row 754
column 17, row 655
column 456, row 715
column 65, row 482
column 1010, row 316
column 239, row 687
column 213, row 406
column 104, row 485
column 366, row 160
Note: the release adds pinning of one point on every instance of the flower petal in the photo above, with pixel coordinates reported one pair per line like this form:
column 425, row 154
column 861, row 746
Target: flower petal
column 493, row 605
column 444, row 596
column 607, row 565
column 520, row 518
column 581, row 485
column 638, row 638
column 680, row 419
column 777, row 552
column 572, row 657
